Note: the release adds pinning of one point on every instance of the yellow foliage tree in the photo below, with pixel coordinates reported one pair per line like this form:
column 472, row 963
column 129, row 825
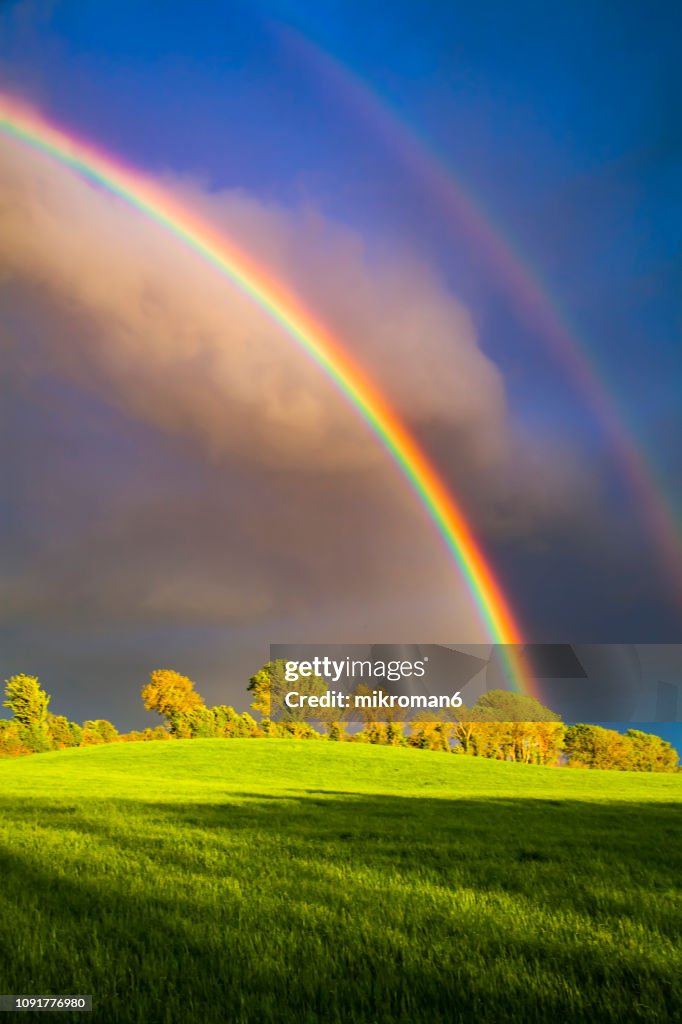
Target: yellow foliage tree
column 173, row 696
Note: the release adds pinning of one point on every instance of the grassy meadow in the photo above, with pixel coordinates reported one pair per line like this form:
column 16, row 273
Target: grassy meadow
column 270, row 880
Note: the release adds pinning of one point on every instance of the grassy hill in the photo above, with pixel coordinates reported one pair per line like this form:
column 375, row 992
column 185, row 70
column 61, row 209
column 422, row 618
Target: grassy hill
column 266, row 880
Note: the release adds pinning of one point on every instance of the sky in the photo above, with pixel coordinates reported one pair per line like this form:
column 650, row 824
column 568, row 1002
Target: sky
column 182, row 487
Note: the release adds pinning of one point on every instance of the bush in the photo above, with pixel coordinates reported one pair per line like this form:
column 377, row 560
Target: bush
column 98, row 731
column 11, row 741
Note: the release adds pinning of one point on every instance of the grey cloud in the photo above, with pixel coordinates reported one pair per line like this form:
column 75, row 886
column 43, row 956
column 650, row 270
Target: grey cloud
column 201, row 468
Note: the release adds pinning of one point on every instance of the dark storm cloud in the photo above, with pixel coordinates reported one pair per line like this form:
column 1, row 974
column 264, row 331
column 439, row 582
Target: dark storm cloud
column 177, row 465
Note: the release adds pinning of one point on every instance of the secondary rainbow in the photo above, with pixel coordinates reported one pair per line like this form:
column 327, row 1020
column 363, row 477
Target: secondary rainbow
column 523, row 285
column 26, row 126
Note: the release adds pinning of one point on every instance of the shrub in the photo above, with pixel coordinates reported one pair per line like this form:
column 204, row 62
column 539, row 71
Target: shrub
column 11, row 742
column 98, row 731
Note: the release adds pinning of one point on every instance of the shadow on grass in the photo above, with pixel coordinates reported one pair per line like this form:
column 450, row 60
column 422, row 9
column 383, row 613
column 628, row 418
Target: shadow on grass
column 346, row 907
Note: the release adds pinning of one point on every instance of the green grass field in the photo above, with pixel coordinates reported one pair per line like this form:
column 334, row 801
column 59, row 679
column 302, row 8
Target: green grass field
column 270, row 880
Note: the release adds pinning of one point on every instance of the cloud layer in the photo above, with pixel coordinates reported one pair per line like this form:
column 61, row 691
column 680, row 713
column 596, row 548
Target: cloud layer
column 249, row 488
column 135, row 312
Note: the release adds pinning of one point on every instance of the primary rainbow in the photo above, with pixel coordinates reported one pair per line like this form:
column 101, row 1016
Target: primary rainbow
column 26, row 126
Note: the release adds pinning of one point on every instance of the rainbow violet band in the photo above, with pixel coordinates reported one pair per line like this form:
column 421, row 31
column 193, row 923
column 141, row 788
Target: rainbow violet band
column 17, row 122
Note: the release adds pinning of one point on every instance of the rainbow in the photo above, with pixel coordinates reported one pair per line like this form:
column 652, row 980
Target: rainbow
column 17, row 122
column 523, row 286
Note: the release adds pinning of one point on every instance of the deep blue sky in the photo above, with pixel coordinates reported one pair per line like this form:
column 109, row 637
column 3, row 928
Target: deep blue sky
column 562, row 120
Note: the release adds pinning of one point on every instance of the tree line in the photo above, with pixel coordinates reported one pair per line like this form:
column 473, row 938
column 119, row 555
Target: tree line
column 500, row 725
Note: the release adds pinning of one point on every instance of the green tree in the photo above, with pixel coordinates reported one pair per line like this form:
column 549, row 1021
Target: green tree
column 650, row 753
column 592, row 746
column 297, row 731
column 269, row 687
column 201, row 723
column 27, row 700
column 248, row 725
column 29, row 703
column 225, row 720
column 230, row 724
column 505, row 706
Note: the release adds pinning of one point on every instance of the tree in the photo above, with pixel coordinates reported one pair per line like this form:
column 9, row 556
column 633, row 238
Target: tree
column 385, row 734
column 297, row 731
column 201, row 723
column 509, row 727
column 504, row 706
column 650, row 753
column 270, row 686
column 225, row 720
column 27, row 700
column 230, row 724
column 159, row 732
column 592, row 746
column 464, row 728
column 549, row 738
column 578, row 745
column 248, row 725
column 62, row 732
column 336, row 730
column 429, row 734
column 173, row 696
column 98, row 731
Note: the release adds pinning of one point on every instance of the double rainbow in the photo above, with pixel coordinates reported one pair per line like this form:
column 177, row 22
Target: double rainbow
column 24, row 125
